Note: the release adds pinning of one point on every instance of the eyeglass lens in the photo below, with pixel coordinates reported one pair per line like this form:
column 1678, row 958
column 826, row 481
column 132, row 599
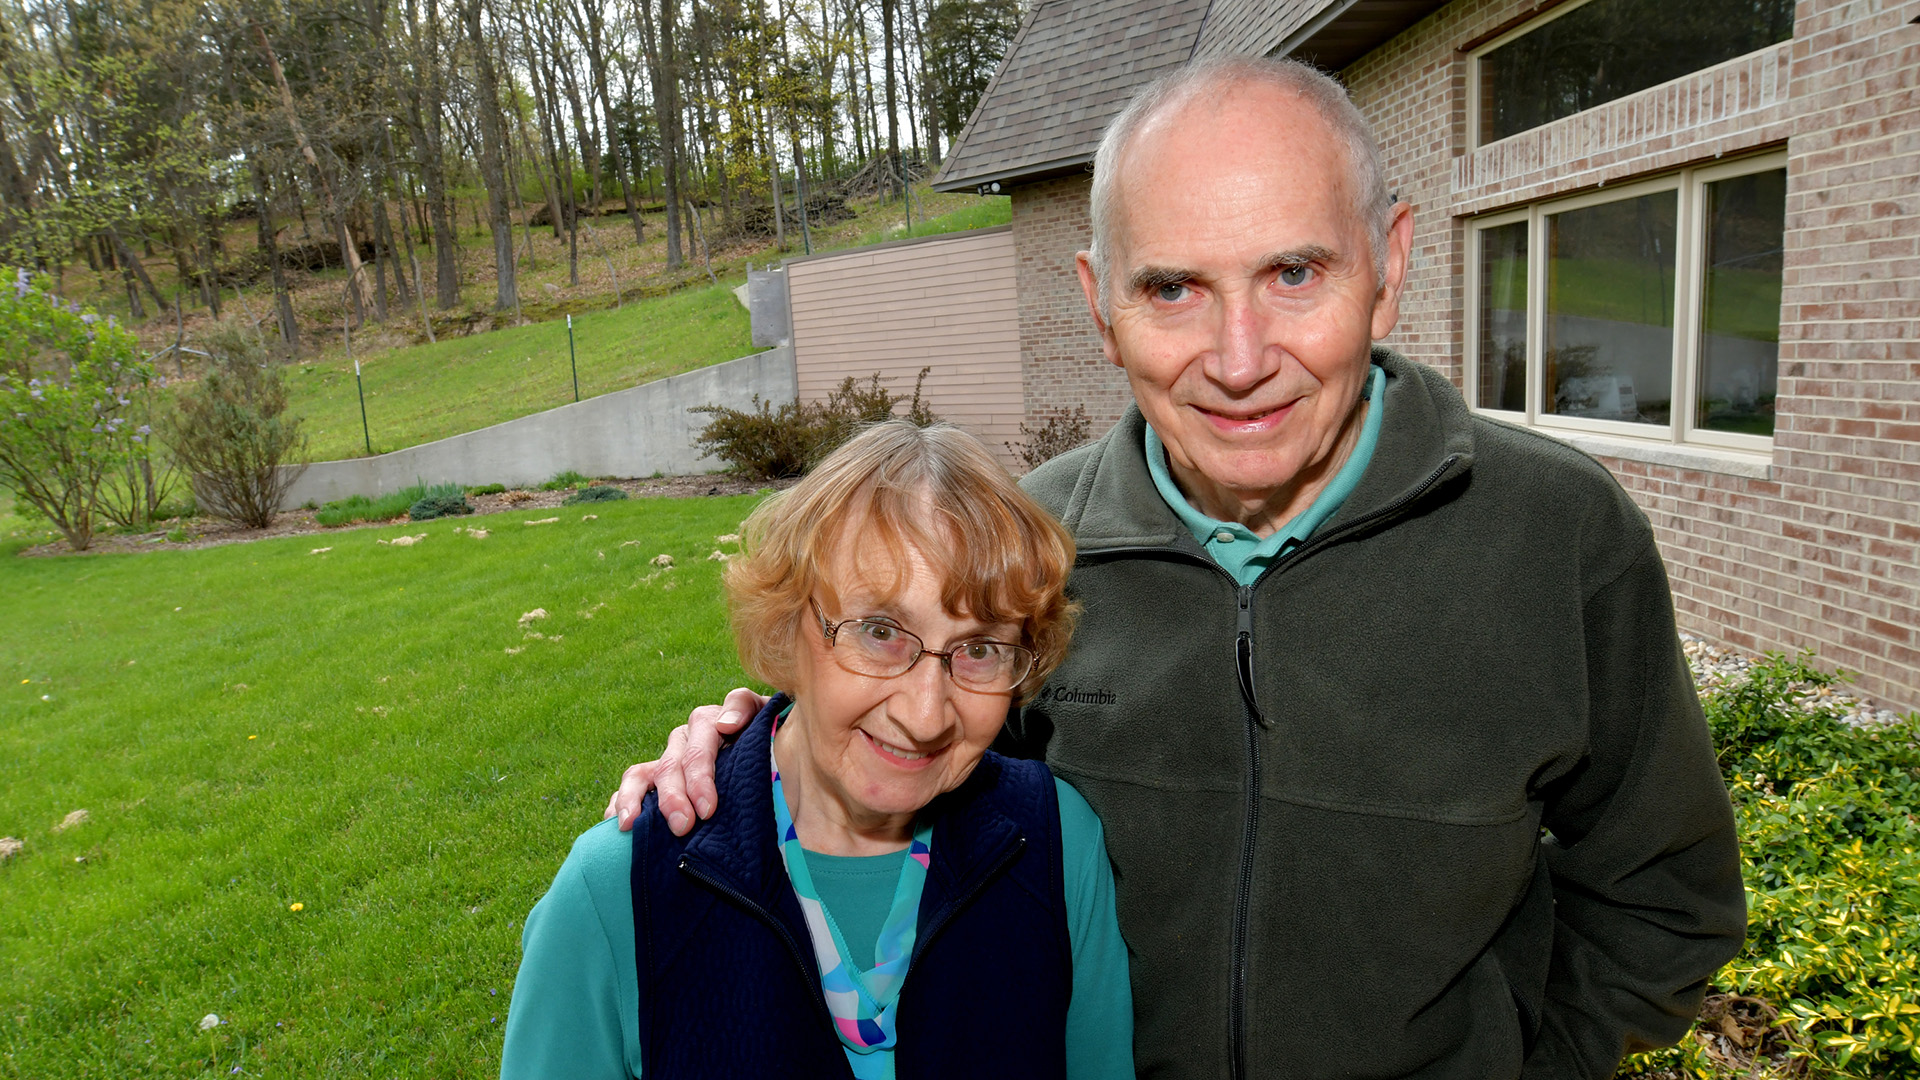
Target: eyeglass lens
column 884, row 650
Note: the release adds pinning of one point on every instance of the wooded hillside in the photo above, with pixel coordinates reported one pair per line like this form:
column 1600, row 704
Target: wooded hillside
column 358, row 133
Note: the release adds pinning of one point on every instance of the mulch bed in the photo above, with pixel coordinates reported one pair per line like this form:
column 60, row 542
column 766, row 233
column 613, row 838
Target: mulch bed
column 212, row 532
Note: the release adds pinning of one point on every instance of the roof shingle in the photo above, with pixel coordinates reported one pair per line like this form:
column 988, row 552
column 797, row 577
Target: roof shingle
column 1072, row 68
column 1076, row 63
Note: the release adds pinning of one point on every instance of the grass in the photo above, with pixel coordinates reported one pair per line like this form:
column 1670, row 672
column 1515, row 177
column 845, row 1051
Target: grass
column 254, row 726
column 356, row 508
column 418, row 393
column 984, row 213
column 425, row 392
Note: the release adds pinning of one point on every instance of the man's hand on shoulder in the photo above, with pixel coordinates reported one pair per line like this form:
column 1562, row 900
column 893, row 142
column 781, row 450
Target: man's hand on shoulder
column 683, row 775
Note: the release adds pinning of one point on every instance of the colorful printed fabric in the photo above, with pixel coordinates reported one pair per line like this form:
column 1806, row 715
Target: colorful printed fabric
column 860, row 1002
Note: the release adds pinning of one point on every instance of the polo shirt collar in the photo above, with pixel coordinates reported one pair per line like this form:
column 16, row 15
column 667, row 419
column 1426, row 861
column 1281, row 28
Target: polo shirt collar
column 1234, row 546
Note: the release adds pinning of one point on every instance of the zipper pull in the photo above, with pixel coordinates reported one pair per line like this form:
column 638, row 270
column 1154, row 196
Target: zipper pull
column 1243, row 655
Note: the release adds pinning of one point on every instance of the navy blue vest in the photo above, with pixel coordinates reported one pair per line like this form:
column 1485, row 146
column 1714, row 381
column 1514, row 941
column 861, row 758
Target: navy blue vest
column 728, row 982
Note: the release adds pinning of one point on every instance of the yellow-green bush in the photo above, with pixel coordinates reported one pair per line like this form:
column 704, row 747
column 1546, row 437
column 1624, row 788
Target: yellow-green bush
column 1828, row 829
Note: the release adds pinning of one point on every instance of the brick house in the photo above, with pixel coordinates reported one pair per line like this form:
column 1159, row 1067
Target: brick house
column 1683, row 237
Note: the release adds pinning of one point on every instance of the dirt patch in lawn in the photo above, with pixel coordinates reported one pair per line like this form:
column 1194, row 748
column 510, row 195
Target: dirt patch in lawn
column 211, row 532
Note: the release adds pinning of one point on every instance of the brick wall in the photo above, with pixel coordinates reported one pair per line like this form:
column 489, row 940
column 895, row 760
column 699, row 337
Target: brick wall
column 1822, row 553
column 1062, row 365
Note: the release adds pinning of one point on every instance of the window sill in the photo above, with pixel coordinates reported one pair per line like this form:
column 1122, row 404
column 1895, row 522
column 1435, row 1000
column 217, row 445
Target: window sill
column 1704, row 459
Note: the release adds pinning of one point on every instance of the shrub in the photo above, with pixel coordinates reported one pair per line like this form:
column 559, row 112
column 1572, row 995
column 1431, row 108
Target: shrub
column 773, row 444
column 764, row 443
column 487, row 489
column 565, row 480
column 232, row 434
column 385, row 508
column 73, row 392
column 1827, row 820
column 1062, row 431
column 598, row 493
column 435, row 506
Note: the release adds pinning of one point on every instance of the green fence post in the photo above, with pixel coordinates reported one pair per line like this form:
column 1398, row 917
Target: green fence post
column 572, row 360
column 347, row 333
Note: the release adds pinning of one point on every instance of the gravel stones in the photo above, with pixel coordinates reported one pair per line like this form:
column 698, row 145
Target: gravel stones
column 1715, row 666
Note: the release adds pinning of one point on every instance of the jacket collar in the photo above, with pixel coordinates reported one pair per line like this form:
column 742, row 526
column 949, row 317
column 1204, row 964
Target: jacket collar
column 1426, row 438
column 737, row 846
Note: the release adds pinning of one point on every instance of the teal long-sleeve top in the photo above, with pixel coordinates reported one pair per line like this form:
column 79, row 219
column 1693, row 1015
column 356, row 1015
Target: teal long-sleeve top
column 576, row 1002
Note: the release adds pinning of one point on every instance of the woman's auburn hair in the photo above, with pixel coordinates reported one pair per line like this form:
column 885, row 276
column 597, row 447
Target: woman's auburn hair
column 897, row 485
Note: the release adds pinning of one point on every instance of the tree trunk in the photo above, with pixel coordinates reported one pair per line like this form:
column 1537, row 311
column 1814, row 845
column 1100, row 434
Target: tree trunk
column 282, row 303
column 926, row 96
column 666, row 110
column 356, row 282
column 492, row 146
column 893, row 114
column 131, row 268
column 622, row 167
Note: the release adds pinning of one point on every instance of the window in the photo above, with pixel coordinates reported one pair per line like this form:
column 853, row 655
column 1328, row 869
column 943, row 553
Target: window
column 1650, row 311
column 1587, row 54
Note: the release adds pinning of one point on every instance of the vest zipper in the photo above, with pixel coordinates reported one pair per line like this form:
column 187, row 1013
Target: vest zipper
column 793, row 947
column 953, row 907
column 1243, row 900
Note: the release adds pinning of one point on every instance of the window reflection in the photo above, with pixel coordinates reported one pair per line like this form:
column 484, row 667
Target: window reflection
column 1608, row 49
column 1609, row 310
column 1740, row 303
column 1503, row 317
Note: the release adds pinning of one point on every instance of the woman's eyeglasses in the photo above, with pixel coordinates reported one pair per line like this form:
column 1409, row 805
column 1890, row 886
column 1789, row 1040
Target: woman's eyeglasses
column 885, row 651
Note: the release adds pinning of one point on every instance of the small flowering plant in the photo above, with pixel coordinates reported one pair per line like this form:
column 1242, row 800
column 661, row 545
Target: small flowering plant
column 73, row 392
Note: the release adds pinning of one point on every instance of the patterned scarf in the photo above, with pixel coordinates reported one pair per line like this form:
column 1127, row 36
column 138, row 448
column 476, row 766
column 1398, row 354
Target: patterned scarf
column 861, row 1003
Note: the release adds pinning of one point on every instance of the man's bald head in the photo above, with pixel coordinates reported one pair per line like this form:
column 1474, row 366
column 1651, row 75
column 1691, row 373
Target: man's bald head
column 1211, row 80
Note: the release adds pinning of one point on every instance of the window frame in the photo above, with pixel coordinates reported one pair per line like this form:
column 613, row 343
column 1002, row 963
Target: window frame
column 1475, row 137
column 1474, row 57
column 1690, row 236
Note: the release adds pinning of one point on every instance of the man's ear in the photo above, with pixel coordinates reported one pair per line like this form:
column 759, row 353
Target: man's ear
column 1386, row 303
column 1083, row 263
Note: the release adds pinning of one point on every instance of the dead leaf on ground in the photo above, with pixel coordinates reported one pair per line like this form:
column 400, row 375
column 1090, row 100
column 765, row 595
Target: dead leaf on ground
column 543, row 521
column 320, row 551
column 404, row 541
column 78, row 817
column 10, row 846
column 536, row 613
column 727, row 538
column 663, row 561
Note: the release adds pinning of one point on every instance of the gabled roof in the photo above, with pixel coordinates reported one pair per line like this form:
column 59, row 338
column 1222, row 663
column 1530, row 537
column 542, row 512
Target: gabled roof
column 1071, row 68
column 1075, row 64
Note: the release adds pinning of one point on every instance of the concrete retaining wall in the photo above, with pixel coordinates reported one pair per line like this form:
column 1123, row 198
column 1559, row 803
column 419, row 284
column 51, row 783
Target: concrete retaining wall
column 635, row 432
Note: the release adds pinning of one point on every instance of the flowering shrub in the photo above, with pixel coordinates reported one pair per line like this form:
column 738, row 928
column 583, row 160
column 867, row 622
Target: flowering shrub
column 73, row 401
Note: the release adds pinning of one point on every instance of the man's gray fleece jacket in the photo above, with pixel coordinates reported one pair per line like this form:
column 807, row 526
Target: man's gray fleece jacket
column 1432, row 798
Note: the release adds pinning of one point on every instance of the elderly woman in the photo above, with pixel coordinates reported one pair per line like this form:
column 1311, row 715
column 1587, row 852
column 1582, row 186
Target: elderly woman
column 879, row 894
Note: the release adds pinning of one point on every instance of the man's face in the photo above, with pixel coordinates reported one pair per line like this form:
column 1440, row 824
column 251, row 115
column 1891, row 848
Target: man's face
column 1242, row 295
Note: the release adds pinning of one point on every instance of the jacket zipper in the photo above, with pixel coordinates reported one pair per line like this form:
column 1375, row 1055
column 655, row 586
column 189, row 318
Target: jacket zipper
column 793, row 947
column 1243, row 901
column 1243, row 667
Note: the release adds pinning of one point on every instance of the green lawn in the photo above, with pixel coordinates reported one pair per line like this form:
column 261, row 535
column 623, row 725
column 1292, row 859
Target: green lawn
column 419, row 393
column 426, row 392
column 253, row 726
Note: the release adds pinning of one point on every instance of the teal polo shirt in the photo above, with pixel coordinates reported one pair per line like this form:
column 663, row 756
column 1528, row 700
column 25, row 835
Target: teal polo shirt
column 1234, row 546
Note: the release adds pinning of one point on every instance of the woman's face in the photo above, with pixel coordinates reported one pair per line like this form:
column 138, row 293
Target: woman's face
column 879, row 749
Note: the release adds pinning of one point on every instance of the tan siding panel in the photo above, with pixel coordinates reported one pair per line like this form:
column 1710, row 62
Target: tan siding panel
column 947, row 304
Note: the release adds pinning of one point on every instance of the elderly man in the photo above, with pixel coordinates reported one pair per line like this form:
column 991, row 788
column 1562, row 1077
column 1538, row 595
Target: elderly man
column 1380, row 702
